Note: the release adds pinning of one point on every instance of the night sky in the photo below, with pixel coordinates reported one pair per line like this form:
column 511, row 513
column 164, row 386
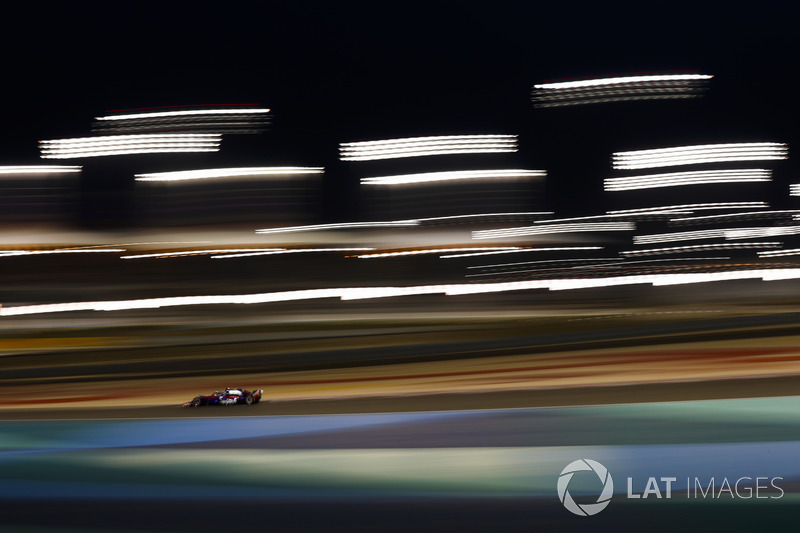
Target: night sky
column 334, row 72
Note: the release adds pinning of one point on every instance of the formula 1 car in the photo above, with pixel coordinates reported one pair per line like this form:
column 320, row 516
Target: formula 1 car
column 229, row 397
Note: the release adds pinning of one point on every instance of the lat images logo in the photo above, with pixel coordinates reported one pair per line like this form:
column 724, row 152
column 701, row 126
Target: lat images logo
column 586, row 509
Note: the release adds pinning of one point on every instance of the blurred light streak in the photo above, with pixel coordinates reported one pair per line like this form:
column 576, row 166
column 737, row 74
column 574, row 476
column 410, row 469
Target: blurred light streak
column 621, row 214
column 732, row 216
column 380, row 292
column 429, row 251
column 147, row 243
column 497, row 270
column 553, row 228
column 395, row 223
column 193, row 112
column 728, row 233
column 565, row 260
column 39, row 169
column 129, row 144
column 699, row 177
column 573, row 219
column 485, row 215
column 483, row 288
column 647, row 279
column 214, row 173
column 294, row 251
column 700, row 247
column 779, row 253
column 611, row 95
column 530, row 270
column 781, row 274
column 195, row 252
column 598, row 82
column 340, row 225
column 679, row 236
column 699, row 154
column 220, row 120
column 755, row 233
column 708, row 277
column 794, row 189
column 521, row 250
column 673, row 259
column 363, row 293
column 689, row 208
column 430, row 177
column 619, row 89
column 425, row 146
column 15, row 253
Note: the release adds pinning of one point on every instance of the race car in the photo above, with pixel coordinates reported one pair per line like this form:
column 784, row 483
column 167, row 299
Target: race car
column 231, row 396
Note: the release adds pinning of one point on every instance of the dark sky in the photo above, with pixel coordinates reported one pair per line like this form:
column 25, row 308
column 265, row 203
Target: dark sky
column 333, row 72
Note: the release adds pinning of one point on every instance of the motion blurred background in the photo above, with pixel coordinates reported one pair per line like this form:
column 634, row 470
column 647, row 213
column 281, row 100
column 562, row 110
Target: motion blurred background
column 459, row 247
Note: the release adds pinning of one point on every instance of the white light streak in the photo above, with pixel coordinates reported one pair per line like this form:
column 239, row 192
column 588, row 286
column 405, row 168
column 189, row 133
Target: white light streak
column 779, row 253
column 521, row 250
column 539, row 270
column 431, row 177
column 228, row 120
column 621, row 80
column 394, row 223
column 553, row 228
column 340, row 225
column 154, row 303
column 382, row 292
column 129, row 144
column 700, row 247
column 186, row 113
column 689, row 208
column 794, row 189
column 734, row 216
column 675, row 179
column 486, row 215
column 779, row 274
column 16, row 253
column 573, row 219
column 294, row 251
column 726, row 233
column 39, row 169
column 709, row 277
column 603, row 96
column 185, row 253
column 699, row 154
column 619, row 89
column 425, row 146
column 679, row 236
column 757, row 233
column 647, row 279
column 241, row 172
column 675, row 259
column 428, row 251
column 564, row 260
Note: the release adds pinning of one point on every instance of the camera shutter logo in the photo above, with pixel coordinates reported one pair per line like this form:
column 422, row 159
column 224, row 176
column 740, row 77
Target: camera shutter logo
column 587, row 509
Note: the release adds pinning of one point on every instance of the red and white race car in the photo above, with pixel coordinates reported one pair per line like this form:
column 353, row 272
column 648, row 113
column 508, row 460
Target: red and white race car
column 231, row 396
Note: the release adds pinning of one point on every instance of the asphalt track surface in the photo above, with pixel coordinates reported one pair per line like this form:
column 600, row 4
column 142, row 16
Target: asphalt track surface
column 746, row 327
column 600, row 359
column 253, row 353
column 472, row 470
column 447, row 459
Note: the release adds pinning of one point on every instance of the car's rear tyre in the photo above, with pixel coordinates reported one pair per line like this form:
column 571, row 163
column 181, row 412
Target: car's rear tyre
column 197, row 402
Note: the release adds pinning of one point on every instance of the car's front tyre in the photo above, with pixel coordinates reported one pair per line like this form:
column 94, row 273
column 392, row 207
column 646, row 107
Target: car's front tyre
column 197, row 402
